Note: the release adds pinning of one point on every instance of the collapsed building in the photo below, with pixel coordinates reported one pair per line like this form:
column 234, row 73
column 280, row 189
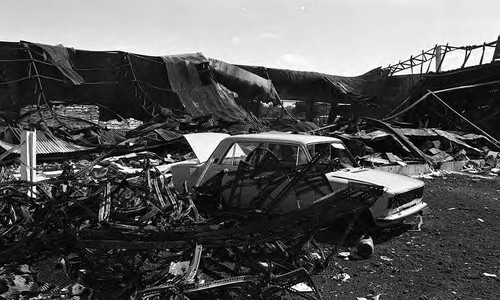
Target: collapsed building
column 108, row 121
column 79, row 94
column 125, row 84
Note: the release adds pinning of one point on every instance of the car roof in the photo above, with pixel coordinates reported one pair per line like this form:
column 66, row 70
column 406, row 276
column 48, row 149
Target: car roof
column 285, row 137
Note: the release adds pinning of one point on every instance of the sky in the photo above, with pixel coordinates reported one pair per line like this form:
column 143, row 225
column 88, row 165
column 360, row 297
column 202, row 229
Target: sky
column 341, row 37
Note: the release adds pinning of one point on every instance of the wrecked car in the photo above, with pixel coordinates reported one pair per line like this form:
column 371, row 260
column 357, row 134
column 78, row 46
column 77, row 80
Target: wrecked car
column 401, row 199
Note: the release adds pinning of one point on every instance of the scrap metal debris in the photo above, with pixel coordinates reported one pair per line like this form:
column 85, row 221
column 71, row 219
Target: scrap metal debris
column 369, row 297
column 377, row 143
column 116, row 228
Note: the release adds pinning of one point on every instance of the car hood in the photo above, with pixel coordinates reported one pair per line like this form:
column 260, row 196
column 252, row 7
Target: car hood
column 397, row 183
column 204, row 143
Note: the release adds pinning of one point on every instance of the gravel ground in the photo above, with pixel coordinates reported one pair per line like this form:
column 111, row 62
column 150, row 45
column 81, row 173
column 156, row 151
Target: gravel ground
column 458, row 243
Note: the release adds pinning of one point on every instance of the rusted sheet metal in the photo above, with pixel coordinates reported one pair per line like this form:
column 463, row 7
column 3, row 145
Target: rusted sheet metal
column 190, row 79
column 238, row 79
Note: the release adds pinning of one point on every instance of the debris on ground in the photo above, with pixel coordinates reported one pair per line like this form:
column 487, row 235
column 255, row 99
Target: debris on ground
column 369, row 297
column 490, row 275
column 342, row 277
column 377, row 143
column 116, row 227
column 364, row 247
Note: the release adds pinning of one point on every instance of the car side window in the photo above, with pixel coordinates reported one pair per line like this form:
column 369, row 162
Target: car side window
column 332, row 151
column 324, row 149
column 340, row 152
column 238, row 152
column 288, row 155
column 302, row 158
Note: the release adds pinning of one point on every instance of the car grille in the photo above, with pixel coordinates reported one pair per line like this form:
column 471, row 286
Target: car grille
column 403, row 198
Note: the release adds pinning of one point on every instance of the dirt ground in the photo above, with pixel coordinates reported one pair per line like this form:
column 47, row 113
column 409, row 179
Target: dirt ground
column 455, row 255
column 459, row 241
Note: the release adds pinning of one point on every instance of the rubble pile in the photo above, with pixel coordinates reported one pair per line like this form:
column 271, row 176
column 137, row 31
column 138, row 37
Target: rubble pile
column 378, row 143
column 76, row 137
column 72, row 116
column 116, row 228
column 491, row 166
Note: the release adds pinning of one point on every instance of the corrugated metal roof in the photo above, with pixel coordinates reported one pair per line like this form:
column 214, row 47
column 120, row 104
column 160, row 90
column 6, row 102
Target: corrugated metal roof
column 111, row 136
column 167, row 135
column 52, row 145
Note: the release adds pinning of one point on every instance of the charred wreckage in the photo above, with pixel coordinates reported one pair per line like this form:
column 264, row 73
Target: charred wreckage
column 138, row 177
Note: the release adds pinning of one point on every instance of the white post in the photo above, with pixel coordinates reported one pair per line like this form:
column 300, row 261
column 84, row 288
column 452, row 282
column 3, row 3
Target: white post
column 28, row 157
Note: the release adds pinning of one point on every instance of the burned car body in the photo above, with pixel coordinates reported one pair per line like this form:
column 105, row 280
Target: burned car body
column 402, row 195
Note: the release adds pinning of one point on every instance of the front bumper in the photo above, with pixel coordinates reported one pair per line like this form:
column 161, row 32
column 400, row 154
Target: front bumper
column 398, row 217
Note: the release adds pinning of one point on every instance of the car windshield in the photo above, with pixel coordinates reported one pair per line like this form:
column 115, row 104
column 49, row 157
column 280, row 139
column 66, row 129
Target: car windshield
column 332, row 151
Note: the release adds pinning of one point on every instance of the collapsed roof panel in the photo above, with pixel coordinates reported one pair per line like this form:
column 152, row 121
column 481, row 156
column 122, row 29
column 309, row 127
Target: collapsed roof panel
column 371, row 94
column 247, row 83
column 471, row 91
column 45, row 143
column 59, row 57
column 190, row 79
column 128, row 85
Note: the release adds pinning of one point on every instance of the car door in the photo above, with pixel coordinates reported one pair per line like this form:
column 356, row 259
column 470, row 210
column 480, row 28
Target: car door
column 229, row 159
column 253, row 178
